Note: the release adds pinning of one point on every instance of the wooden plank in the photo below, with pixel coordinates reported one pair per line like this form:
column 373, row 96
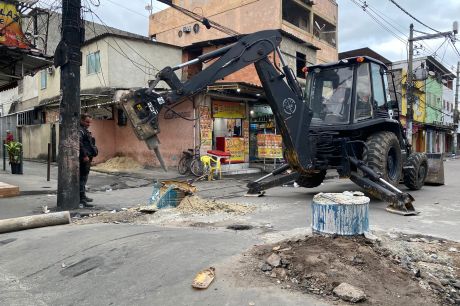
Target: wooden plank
column 7, row 190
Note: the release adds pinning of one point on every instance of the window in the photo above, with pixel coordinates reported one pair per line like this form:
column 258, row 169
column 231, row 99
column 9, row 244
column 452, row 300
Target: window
column 329, row 94
column 300, row 62
column 363, row 105
column 379, row 91
column 324, row 30
column 296, row 14
column 93, row 63
column 43, row 79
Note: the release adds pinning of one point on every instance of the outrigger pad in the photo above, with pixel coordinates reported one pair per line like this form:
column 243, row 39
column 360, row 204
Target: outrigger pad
column 403, row 206
column 435, row 174
column 394, row 210
column 258, row 194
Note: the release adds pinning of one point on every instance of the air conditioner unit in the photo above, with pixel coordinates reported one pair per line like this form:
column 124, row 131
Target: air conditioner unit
column 51, row 70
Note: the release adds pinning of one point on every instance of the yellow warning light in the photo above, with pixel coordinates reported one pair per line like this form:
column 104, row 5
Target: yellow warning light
column 360, row 59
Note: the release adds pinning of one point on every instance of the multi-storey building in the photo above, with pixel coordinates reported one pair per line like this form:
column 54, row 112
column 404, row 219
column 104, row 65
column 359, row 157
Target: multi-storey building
column 309, row 30
column 432, row 105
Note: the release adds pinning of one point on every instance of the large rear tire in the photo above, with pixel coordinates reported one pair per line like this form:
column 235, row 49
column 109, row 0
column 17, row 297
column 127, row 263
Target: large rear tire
column 415, row 175
column 383, row 155
column 311, row 180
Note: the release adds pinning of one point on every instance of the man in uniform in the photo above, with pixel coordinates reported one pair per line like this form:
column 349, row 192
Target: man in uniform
column 88, row 150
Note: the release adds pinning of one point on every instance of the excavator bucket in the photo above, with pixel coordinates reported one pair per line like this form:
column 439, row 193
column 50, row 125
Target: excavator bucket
column 435, row 174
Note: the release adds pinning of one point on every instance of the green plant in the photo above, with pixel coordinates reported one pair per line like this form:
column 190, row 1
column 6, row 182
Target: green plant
column 14, row 151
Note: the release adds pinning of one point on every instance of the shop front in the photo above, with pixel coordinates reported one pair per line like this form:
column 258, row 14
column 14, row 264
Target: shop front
column 241, row 124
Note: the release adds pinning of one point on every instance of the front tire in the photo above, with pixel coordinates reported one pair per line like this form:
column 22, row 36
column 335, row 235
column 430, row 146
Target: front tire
column 383, row 155
column 414, row 177
column 311, row 180
column 183, row 166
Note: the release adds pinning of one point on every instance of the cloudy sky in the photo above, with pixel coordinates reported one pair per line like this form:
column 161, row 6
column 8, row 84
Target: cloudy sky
column 382, row 26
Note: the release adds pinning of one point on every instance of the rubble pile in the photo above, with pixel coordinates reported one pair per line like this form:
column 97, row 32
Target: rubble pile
column 119, row 163
column 196, row 205
column 356, row 269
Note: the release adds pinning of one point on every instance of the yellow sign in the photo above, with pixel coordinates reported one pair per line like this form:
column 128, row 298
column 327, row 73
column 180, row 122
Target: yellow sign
column 269, row 146
column 10, row 27
column 235, row 146
column 205, row 128
column 223, row 109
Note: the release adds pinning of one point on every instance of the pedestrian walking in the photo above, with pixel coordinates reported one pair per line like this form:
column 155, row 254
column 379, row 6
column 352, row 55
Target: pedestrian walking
column 88, row 151
column 9, row 137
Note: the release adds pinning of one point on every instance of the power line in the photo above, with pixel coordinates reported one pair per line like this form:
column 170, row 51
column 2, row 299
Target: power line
column 109, row 30
column 410, row 15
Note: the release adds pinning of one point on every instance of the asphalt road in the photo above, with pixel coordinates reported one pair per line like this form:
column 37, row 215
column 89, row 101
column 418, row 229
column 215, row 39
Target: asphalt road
column 154, row 264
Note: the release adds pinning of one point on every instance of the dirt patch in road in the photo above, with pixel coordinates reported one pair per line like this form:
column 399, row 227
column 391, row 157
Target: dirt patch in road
column 318, row 264
column 197, row 205
column 190, row 207
column 119, row 163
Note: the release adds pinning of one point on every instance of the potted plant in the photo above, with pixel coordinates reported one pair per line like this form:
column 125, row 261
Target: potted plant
column 14, row 154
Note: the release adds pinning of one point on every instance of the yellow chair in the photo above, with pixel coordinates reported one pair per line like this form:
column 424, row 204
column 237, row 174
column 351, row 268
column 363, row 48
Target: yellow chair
column 210, row 166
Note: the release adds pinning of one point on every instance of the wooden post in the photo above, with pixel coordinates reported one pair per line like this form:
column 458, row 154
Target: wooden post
column 4, row 155
column 48, row 165
column 28, row 222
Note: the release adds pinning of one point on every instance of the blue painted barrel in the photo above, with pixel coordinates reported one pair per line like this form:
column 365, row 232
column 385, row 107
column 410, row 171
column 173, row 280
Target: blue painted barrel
column 344, row 214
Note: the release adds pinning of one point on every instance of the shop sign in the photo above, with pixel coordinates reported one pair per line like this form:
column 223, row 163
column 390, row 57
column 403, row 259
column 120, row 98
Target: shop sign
column 235, row 146
column 229, row 110
column 10, row 24
column 269, row 146
column 205, row 128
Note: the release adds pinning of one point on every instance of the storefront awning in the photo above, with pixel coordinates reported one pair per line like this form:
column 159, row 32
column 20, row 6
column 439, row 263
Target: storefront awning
column 15, row 63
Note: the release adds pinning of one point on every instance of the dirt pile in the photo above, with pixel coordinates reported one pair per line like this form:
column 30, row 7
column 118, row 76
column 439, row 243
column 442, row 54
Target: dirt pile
column 131, row 216
column 319, row 264
column 119, row 163
column 196, row 205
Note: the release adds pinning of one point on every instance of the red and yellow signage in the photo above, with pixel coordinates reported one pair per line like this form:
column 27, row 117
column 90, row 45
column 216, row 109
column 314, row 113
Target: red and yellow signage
column 223, row 109
column 10, row 27
column 269, row 146
column 235, row 146
column 205, row 129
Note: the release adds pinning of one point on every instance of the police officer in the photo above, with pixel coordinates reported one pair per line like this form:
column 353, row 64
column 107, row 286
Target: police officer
column 88, row 150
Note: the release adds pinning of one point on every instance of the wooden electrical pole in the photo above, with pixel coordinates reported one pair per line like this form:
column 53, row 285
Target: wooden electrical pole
column 409, row 81
column 68, row 57
column 457, row 85
column 409, row 85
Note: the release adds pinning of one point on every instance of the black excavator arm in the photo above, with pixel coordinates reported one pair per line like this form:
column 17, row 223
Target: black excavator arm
column 284, row 94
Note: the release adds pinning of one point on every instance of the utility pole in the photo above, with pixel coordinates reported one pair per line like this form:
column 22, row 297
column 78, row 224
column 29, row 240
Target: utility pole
column 409, row 88
column 457, row 85
column 68, row 57
column 409, row 93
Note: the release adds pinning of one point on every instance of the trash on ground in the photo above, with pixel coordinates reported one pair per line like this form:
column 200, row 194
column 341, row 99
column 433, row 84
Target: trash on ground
column 204, row 278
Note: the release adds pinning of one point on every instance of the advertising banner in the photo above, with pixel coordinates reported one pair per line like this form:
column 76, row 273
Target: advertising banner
column 205, row 129
column 223, row 109
column 269, row 146
column 10, row 27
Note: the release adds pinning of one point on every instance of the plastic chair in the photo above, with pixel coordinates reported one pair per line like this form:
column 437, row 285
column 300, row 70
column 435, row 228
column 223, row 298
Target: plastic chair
column 212, row 165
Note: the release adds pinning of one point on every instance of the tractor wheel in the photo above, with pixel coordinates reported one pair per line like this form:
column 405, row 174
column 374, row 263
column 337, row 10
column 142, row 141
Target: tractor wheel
column 414, row 177
column 311, row 180
column 383, row 155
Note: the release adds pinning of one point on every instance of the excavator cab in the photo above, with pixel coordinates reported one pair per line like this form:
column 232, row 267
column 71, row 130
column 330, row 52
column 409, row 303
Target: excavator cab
column 348, row 92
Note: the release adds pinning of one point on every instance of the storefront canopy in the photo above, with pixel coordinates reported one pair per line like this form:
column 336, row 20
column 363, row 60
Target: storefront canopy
column 15, row 63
